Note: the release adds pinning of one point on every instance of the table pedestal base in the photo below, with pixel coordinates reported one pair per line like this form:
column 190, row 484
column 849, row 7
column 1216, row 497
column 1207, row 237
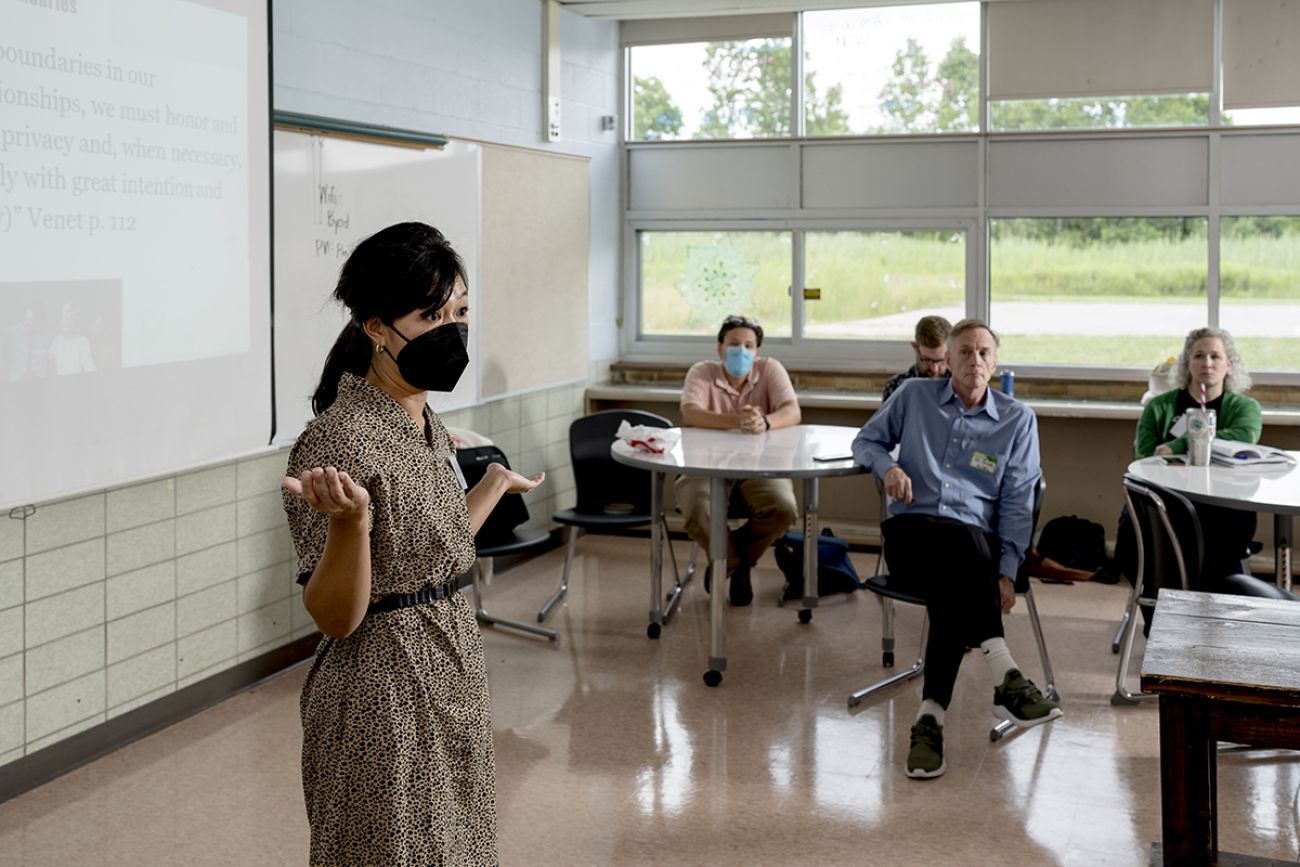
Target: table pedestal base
column 1226, row 859
column 1282, row 541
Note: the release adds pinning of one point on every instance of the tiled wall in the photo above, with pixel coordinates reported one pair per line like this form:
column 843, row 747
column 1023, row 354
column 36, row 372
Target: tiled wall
column 114, row 599
column 120, row 597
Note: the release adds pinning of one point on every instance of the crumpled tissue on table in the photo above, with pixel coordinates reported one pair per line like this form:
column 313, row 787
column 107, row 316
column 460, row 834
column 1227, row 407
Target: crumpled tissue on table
column 655, row 440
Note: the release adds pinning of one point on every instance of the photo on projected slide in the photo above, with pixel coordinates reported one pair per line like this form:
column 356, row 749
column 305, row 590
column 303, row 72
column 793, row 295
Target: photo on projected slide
column 66, row 328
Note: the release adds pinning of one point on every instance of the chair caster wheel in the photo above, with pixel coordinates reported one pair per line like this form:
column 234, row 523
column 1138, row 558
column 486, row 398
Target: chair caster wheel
column 653, row 630
column 712, row 678
column 887, row 659
column 805, row 615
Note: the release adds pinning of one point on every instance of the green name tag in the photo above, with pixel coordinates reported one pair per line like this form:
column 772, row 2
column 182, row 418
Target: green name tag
column 984, row 463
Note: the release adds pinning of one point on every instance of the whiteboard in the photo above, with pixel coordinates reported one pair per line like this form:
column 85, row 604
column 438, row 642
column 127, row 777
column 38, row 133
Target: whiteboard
column 332, row 192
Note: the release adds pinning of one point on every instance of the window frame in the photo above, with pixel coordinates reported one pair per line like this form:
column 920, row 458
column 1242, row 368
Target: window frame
column 888, row 356
column 796, row 82
column 838, row 354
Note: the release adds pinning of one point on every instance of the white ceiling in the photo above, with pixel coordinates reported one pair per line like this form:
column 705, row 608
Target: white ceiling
column 627, row 9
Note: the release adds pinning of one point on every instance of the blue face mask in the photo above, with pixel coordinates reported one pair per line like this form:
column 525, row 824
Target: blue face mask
column 739, row 360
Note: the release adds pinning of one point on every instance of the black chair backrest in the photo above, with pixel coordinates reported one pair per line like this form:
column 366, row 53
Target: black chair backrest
column 1170, row 546
column 510, row 511
column 605, row 486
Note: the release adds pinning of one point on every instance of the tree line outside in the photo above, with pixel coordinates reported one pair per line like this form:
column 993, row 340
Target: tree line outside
column 749, row 88
column 1113, row 261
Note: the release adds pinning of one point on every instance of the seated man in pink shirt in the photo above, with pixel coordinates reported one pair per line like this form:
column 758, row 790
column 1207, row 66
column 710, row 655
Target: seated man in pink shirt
column 739, row 392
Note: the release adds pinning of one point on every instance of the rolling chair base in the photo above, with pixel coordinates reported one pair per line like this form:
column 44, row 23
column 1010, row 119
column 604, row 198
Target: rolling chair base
column 917, row 669
column 485, row 616
column 657, row 622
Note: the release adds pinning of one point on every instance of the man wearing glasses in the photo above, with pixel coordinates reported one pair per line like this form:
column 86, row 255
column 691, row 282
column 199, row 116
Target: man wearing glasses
column 739, row 391
column 931, row 348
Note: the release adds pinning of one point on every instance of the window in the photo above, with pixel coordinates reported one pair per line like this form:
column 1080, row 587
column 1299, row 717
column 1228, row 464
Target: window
column 1261, row 69
column 690, row 281
column 874, row 285
column 899, row 69
column 1261, row 116
column 711, row 90
column 1120, row 112
column 1100, row 64
column 1096, row 291
column 1259, row 289
column 934, row 211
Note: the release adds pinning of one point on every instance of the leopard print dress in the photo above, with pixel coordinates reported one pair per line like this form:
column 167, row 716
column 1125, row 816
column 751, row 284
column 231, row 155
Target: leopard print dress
column 397, row 762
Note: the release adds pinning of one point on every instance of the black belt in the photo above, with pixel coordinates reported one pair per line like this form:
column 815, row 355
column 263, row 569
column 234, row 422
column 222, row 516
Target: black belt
column 424, row 596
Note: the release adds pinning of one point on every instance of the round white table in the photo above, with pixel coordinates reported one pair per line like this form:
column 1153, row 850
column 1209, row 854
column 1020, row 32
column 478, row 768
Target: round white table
column 788, row 453
column 1273, row 489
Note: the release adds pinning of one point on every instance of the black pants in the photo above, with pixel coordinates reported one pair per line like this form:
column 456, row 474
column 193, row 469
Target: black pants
column 955, row 566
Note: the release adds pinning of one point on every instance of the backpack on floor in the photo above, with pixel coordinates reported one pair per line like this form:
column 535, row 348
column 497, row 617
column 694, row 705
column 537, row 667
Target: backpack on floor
column 1073, row 542
column 835, row 572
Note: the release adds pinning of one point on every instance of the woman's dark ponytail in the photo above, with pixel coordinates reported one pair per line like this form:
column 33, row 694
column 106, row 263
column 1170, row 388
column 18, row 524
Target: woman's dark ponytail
column 350, row 354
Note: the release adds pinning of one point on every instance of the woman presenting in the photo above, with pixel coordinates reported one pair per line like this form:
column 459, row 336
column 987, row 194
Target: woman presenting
column 397, row 759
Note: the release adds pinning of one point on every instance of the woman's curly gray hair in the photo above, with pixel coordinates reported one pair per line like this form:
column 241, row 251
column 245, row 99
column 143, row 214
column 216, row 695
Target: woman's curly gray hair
column 1238, row 378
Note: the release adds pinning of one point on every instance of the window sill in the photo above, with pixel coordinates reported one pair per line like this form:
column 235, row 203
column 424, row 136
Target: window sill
column 1049, row 398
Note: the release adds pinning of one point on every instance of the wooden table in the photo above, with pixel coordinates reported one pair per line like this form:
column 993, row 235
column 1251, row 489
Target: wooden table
column 1226, row 668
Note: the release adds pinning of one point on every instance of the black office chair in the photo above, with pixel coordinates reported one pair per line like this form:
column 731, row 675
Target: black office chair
column 1128, row 528
column 611, row 496
column 1170, row 553
column 890, row 589
column 501, row 534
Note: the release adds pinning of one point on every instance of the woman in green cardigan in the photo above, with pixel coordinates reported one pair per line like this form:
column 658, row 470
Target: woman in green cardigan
column 1210, row 360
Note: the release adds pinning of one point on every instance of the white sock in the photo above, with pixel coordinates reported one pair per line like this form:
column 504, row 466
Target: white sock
column 998, row 656
column 933, row 708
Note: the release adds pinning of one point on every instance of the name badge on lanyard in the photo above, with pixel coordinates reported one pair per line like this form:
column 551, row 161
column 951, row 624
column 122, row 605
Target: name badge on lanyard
column 455, row 468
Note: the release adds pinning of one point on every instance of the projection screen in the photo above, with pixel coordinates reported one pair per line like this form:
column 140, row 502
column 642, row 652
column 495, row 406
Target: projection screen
column 134, row 240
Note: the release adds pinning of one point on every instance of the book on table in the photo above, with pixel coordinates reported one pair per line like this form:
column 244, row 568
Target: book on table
column 1234, row 453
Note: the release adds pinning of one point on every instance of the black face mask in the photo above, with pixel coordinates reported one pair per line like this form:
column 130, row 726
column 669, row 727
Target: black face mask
column 435, row 360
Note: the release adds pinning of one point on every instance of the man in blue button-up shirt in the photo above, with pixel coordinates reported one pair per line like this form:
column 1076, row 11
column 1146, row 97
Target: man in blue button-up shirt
column 962, row 490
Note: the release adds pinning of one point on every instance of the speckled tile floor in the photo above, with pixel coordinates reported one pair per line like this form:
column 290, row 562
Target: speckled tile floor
column 610, row 750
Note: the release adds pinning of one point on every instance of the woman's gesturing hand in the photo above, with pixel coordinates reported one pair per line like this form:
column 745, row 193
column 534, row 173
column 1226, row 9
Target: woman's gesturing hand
column 515, row 483
column 329, row 491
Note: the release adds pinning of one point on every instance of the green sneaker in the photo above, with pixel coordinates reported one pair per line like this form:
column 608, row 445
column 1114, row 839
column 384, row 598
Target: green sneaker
column 1019, row 701
column 925, row 758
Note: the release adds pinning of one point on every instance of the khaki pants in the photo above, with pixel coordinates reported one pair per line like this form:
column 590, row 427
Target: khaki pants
column 769, row 504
